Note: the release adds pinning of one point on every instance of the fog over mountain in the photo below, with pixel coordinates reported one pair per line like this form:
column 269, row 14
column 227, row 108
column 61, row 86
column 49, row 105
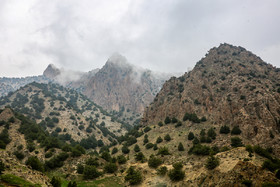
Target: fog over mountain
column 168, row 36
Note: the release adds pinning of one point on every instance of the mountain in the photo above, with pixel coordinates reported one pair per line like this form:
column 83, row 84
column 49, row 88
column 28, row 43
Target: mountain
column 217, row 125
column 119, row 84
column 120, row 87
column 11, row 84
column 65, row 113
column 230, row 86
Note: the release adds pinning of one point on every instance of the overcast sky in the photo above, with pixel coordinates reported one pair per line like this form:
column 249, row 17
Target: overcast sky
column 162, row 35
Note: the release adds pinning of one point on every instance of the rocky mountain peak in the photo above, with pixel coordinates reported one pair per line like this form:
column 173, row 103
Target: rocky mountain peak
column 51, row 71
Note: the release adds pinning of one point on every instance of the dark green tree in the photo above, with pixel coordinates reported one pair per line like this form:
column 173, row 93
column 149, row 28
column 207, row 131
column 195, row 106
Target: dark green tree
column 224, row 130
column 90, row 172
column 159, row 140
column 136, row 148
column 176, row 174
column 80, row 169
column 181, row 147
column 133, row 176
column 167, row 137
column 236, row 142
column 140, row 157
column 72, row 184
column 35, row 163
column 190, row 136
column 236, row 130
column 114, row 150
column 212, row 162
column 167, row 120
column 110, row 168
column 125, row 149
column 56, row 182
column 211, row 133
column 154, row 162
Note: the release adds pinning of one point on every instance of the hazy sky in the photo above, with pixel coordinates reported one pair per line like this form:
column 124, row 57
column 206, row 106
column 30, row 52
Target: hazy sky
column 162, row 35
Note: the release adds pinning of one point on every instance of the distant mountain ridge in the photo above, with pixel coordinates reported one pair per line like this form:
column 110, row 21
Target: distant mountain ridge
column 118, row 86
column 11, row 84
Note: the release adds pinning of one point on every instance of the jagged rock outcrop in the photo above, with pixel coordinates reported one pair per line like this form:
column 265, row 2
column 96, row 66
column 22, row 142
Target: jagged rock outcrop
column 119, row 84
column 229, row 86
column 51, row 72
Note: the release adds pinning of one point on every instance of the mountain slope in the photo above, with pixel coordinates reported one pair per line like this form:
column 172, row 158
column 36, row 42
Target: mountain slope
column 12, row 84
column 64, row 112
column 230, row 86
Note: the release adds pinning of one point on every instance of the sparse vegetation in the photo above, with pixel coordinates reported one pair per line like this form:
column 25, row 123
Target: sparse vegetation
column 212, row 162
column 235, row 130
column 133, row 176
column 176, row 174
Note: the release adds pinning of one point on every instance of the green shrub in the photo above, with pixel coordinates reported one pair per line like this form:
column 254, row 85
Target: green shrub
column 140, row 157
column 167, row 120
column 149, row 145
column 195, row 141
column 56, row 182
column 160, row 124
column 211, row 133
column 212, row 162
column 224, row 129
column 162, row 170
column 163, row 151
column 121, row 159
column 236, row 130
column 136, row 148
column 176, row 174
column 271, row 165
column 159, row 140
column 110, row 168
column 35, row 163
column 174, row 120
column 114, row 150
column 155, row 147
column 125, row 149
column 179, row 124
column 133, row 176
column 90, row 172
column 181, row 147
column 190, row 136
column 167, row 137
column 154, row 162
column 72, row 184
column 191, row 117
column 19, row 155
column 262, row 152
column 80, row 169
column 147, row 129
column 236, row 142
column 92, row 162
column 199, row 149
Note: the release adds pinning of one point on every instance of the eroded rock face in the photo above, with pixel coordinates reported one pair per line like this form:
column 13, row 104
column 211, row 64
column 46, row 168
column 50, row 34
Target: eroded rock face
column 229, row 86
column 119, row 84
column 51, row 72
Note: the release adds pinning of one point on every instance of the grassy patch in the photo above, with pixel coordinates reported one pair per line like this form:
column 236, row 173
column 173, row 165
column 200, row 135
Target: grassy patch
column 15, row 181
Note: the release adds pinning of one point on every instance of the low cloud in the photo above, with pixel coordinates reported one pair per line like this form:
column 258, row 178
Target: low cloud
column 166, row 36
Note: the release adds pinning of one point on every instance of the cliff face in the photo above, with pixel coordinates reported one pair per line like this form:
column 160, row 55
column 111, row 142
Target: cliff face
column 120, row 85
column 229, row 86
column 51, row 72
